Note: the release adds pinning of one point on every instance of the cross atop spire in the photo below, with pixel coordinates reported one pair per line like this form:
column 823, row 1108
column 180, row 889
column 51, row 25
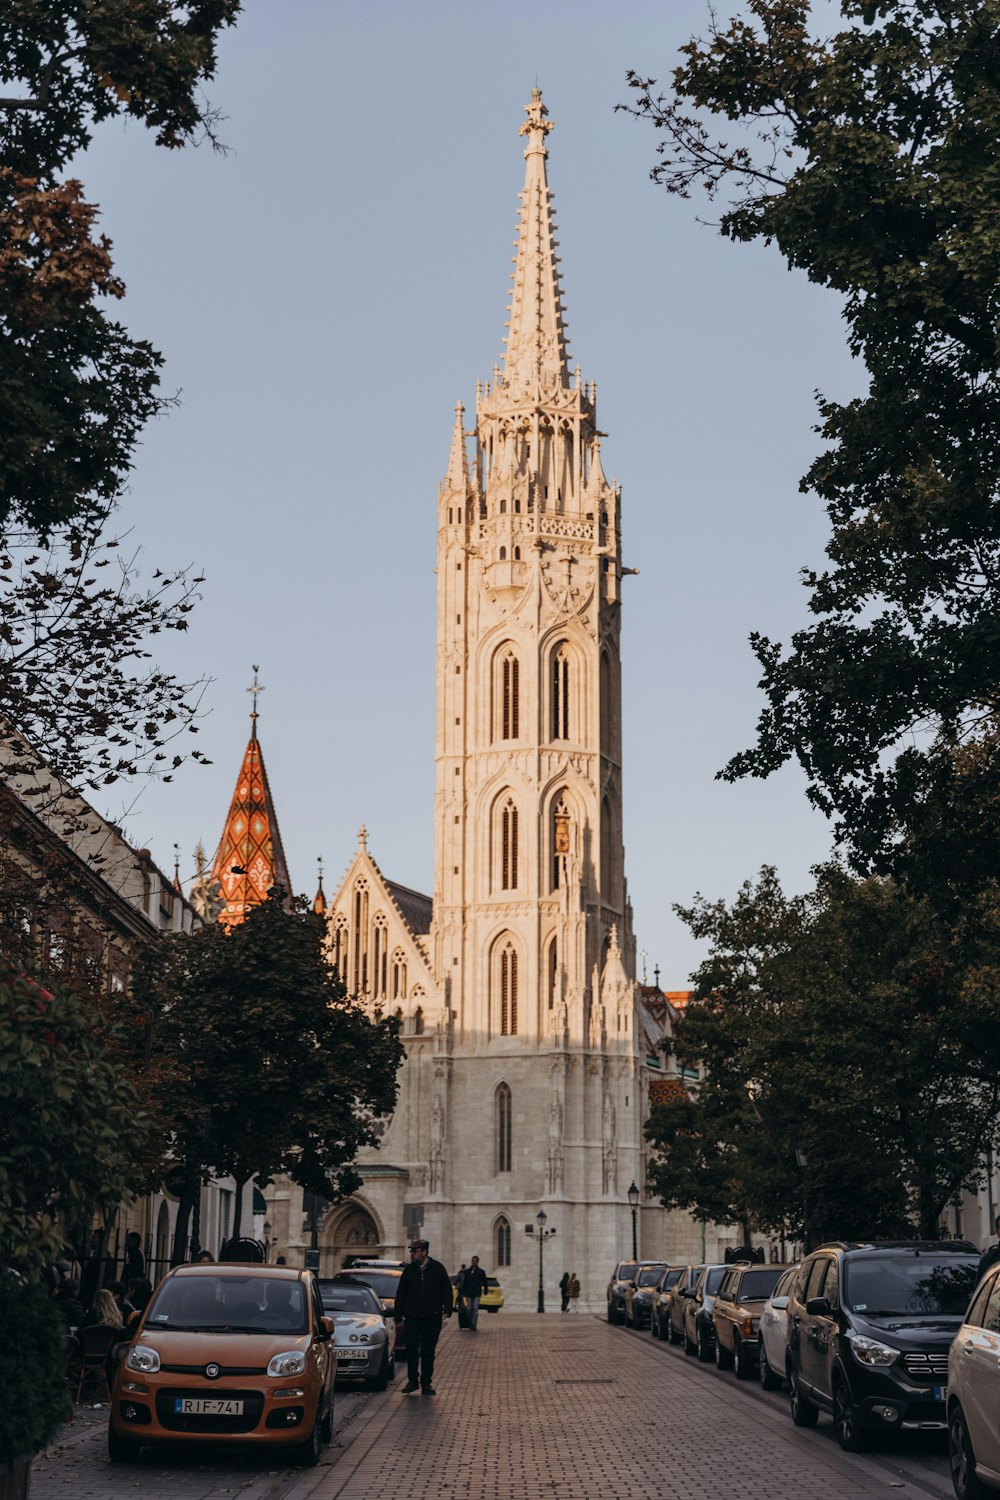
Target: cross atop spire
column 537, row 346
column 256, row 688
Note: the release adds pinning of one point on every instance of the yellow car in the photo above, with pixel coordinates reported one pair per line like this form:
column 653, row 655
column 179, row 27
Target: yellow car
column 491, row 1300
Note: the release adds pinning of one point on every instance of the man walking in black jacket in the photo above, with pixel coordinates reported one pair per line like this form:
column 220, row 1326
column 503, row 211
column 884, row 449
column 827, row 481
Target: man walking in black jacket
column 423, row 1298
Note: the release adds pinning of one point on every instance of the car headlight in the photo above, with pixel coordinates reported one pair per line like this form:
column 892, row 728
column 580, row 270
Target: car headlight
column 292, row 1363
column 358, row 1338
column 870, row 1351
column 142, row 1357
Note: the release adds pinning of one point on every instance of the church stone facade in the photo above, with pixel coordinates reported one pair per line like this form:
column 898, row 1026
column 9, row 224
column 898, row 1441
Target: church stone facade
column 515, row 986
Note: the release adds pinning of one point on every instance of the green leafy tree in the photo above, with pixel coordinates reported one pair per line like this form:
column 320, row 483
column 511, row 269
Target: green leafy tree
column 70, row 1128
column 282, row 1071
column 76, row 388
column 852, row 1063
column 870, row 157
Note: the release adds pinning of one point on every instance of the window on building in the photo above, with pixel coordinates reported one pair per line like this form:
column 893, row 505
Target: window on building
column 510, row 715
column 508, row 989
column 418, row 1021
column 399, row 975
column 508, row 846
column 503, row 1129
column 559, row 836
column 380, row 957
column 560, row 693
column 501, row 1233
column 553, row 967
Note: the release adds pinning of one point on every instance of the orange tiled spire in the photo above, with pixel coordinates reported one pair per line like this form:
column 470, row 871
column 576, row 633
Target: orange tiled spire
column 319, row 900
column 250, row 859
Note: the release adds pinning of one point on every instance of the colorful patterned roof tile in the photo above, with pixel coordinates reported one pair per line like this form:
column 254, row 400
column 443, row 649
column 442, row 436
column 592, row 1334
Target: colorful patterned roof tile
column 250, row 859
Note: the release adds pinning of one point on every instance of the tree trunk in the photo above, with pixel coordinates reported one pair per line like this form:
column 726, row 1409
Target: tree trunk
column 188, row 1194
column 238, row 1208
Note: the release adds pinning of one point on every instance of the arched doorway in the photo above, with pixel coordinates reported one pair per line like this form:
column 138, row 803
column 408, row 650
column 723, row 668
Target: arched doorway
column 353, row 1232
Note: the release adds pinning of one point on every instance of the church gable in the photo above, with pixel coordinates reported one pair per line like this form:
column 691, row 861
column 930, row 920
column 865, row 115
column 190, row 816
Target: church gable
column 376, row 951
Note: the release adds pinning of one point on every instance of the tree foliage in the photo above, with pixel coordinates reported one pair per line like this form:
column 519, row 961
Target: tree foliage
column 871, row 159
column 75, row 627
column 281, row 1071
column 76, row 388
column 851, row 1055
column 70, row 1129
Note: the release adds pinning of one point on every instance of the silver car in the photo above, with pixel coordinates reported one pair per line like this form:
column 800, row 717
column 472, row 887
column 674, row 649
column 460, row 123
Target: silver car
column 973, row 1394
column 774, row 1334
column 362, row 1341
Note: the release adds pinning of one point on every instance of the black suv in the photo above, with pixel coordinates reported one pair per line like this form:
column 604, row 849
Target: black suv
column 620, row 1278
column 869, row 1326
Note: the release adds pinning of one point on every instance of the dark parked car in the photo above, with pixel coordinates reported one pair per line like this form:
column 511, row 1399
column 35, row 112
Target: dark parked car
column 699, row 1330
column 869, row 1327
column 620, row 1278
column 676, row 1299
column 738, row 1307
column 659, row 1317
column 639, row 1293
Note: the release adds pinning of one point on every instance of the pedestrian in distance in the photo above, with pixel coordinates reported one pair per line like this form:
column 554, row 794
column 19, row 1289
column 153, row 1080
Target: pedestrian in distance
column 423, row 1300
column 472, row 1285
column 103, row 1312
column 135, row 1261
column 203, row 1257
column 573, row 1290
column 992, row 1255
column 67, row 1300
column 564, row 1291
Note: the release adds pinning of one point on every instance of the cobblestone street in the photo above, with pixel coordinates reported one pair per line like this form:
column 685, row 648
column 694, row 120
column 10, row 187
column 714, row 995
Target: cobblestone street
column 560, row 1406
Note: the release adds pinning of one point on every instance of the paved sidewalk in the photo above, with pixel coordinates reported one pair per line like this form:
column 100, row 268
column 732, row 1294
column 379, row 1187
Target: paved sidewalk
column 574, row 1409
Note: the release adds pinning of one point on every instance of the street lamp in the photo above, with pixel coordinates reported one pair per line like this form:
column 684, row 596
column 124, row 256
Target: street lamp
column 633, row 1199
column 543, row 1234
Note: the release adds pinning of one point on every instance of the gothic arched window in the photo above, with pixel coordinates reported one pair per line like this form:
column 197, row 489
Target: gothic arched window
column 508, row 845
column 502, row 1109
column 560, row 692
column 510, row 713
column 507, row 988
column 360, row 936
column 340, row 947
column 609, row 845
column 501, row 1240
column 553, row 971
column 380, row 957
column 418, row 1021
column 559, row 835
column 399, row 975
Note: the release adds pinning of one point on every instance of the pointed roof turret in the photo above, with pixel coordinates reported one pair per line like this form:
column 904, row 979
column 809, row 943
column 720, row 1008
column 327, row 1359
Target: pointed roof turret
column 250, row 858
column 319, row 900
column 457, row 480
column 537, row 346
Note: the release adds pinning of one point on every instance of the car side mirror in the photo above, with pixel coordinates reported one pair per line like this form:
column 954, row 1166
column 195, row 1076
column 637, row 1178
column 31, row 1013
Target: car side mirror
column 818, row 1307
column 779, row 1304
column 326, row 1328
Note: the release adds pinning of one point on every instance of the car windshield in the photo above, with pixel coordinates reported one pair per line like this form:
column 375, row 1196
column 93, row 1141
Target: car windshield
column 648, row 1276
column 756, row 1285
column 383, row 1283
column 899, row 1286
column 242, row 1304
column 713, row 1280
column 627, row 1270
column 350, row 1299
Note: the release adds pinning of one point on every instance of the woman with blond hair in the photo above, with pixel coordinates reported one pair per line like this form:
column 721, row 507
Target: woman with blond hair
column 103, row 1312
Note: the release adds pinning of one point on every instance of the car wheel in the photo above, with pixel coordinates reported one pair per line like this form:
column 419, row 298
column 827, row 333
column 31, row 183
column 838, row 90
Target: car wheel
column 845, row 1420
column 742, row 1362
column 121, row 1450
column 326, row 1431
column 308, row 1454
column 690, row 1347
column 611, row 1315
column 965, row 1481
column 703, row 1348
column 723, row 1358
column 768, row 1379
column 804, row 1413
column 673, row 1337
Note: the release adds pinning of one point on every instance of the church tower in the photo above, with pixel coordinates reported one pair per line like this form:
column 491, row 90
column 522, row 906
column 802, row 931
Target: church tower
column 535, row 1093
column 514, row 986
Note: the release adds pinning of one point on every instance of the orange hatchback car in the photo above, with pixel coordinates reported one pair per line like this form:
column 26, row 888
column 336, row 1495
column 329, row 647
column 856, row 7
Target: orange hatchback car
column 228, row 1353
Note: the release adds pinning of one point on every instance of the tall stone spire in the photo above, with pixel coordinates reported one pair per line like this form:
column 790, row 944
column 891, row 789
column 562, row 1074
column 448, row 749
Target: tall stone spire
column 537, row 353
column 250, row 858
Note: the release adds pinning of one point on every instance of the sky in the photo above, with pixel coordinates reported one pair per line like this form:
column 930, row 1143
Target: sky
column 324, row 293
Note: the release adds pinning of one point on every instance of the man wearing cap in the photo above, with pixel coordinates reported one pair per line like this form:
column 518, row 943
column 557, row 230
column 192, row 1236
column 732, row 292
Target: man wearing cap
column 423, row 1298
